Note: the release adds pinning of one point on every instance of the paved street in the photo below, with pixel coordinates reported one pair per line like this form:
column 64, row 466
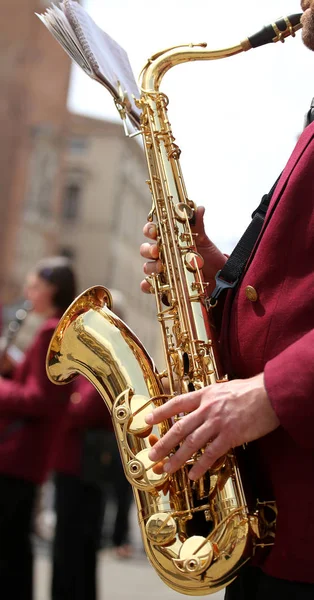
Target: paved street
column 131, row 579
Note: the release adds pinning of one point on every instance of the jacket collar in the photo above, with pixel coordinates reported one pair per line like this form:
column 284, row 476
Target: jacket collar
column 304, row 140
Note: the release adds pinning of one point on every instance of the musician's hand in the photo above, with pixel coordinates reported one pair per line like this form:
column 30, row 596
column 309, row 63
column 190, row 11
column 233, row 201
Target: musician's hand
column 150, row 251
column 220, row 416
column 213, row 258
column 7, row 365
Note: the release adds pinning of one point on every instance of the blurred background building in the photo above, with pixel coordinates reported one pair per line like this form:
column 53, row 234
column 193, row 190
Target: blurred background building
column 33, row 117
column 70, row 184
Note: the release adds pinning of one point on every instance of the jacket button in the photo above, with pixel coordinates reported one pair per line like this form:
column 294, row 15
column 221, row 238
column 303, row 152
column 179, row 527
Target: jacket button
column 251, row 293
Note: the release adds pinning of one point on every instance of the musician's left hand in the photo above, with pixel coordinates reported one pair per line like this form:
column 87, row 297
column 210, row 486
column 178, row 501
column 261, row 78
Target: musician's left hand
column 220, row 416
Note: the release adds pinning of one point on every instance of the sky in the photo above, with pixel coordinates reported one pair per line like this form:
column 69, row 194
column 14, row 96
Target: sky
column 236, row 120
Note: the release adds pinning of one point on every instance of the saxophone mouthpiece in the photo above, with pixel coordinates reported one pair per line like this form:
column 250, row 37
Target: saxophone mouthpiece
column 276, row 32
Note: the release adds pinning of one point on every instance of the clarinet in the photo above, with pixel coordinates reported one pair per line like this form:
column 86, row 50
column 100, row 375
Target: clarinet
column 13, row 329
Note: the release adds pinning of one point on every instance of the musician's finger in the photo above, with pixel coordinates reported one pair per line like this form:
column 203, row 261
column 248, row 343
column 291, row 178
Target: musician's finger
column 150, row 231
column 152, row 267
column 196, row 440
column 198, row 226
column 212, row 452
column 181, row 430
column 153, row 439
column 175, row 406
column 146, row 287
column 149, row 250
column 159, row 468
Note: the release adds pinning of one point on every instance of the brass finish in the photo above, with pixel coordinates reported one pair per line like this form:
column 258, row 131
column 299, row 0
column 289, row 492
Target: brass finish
column 251, row 293
column 161, row 528
column 246, row 45
column 196, row 534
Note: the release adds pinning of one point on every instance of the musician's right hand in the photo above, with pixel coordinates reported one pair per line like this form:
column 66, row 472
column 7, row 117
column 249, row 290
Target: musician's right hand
column 7, row 365
column 213, row 258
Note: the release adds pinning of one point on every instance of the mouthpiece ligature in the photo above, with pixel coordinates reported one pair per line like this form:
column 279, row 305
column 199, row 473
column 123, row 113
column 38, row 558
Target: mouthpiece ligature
column 276, row 32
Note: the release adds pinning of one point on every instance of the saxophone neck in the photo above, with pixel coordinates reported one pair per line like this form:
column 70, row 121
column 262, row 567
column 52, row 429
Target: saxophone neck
column 158, row 65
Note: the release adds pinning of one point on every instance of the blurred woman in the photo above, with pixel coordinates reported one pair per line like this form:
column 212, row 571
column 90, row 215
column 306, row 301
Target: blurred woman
column 86, row 463
column 31, row 411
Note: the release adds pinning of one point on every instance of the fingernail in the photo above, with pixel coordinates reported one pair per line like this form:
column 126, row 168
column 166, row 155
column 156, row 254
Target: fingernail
column 152, row 455
column 191, row 475
column 151, row 230
column 149, row 419
column 167, row 467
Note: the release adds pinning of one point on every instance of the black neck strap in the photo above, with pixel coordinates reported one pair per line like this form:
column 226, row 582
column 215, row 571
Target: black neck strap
column 309, row 117
column 232, row 270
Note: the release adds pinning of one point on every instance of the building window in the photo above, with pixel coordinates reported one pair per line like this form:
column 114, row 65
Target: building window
column 78, row 145
column 71, row 202
column 43, row 171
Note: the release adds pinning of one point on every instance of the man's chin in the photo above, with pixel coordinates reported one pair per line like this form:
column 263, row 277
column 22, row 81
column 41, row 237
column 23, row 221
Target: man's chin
column 308, row 28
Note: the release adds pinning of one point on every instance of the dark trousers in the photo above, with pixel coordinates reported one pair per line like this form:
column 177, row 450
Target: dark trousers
column 253, row 584
column 79, row 510
column 102, row 466
column 122, row 495
column 17, row 499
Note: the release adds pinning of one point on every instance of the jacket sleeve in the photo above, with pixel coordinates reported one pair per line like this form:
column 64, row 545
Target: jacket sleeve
column 33, row 395
column 289, row 381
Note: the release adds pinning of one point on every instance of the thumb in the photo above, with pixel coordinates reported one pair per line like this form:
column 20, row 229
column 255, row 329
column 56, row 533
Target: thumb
column 199, row 227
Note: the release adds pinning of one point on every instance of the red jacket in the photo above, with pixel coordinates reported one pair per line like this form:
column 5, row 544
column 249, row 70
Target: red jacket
column 86, row 410
column 31, row 411
column 275, row 334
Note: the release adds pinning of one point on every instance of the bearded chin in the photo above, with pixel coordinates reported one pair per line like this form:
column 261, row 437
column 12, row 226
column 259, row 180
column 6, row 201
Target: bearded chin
column 308, row 29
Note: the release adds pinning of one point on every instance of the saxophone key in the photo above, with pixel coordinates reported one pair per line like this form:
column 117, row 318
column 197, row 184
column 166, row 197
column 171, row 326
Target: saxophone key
column 183, row 211
column 196, row 555
column 147, row 475
column 193, row 261
column 161, row 528
column 140, row 407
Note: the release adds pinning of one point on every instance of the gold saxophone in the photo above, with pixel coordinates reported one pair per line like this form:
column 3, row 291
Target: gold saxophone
column 196, row 534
